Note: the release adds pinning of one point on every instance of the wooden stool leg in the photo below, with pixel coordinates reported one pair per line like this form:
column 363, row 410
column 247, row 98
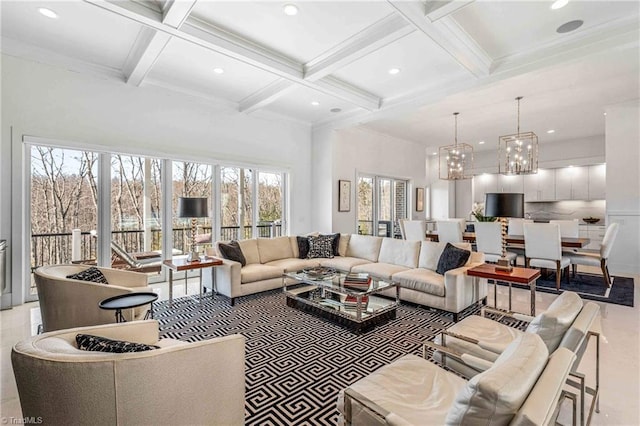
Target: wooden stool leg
column 558, row 275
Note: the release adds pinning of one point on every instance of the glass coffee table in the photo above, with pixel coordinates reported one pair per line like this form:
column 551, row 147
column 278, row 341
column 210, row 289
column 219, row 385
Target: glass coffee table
column 358, row 307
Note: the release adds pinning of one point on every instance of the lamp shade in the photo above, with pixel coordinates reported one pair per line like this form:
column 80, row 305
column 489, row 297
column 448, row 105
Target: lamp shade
column 192, row 207
column 506, row 204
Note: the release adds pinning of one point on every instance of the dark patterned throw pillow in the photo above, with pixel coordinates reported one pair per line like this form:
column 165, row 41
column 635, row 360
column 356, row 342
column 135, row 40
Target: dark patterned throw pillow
column 232, row 251
column 87, row 342
column 335, row 243
column 321, row 246
column 452, row 257
column 91, row 274
column 303, row 247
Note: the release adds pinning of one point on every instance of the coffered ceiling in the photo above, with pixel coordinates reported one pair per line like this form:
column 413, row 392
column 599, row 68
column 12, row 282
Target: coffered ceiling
column 329, row 64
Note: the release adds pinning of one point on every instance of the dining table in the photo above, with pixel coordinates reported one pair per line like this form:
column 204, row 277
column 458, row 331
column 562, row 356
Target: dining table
column 567, row 242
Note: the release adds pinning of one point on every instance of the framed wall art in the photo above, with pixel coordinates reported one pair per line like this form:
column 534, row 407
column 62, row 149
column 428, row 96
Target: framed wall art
column 344, row 195
column 419, row 199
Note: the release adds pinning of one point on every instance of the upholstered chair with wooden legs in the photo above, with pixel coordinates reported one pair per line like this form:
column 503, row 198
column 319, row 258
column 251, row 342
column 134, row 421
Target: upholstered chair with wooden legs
column 414, row 230
column 543, row 249
column 449, row 231
column 489, row 241
column 598, row 259
column 568, row 228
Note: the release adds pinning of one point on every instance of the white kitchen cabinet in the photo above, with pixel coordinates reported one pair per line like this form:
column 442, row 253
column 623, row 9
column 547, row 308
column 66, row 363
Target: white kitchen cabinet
column 482, row 184
column 510, row 183
column 540, row 186
column 572, row 183
column 597, row 181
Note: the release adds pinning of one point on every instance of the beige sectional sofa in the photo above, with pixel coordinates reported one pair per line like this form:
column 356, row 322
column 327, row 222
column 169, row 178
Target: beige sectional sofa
column 410, row 263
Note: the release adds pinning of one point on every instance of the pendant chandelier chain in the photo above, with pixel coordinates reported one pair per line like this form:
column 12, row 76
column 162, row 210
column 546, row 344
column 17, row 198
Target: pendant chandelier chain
column 518, row 99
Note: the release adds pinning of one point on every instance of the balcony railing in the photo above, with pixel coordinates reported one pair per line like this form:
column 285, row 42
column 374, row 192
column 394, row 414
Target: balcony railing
column 52, row 249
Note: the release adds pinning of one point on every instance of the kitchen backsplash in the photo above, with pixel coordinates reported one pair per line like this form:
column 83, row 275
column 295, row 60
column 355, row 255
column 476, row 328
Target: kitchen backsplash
column 566, row 210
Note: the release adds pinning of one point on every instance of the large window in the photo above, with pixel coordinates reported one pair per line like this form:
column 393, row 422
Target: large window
column 382, row 202
column 191, row 180
column 270, row 204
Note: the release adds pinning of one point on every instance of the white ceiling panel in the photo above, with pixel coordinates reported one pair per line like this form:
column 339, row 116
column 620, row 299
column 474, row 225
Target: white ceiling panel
column 186, row 65
column 422, row 64
column 297, row 103
column 316, row 28
column 81, row 31
column 505, row 28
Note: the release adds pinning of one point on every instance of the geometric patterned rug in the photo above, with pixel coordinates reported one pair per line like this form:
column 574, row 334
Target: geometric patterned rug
column 296, row 363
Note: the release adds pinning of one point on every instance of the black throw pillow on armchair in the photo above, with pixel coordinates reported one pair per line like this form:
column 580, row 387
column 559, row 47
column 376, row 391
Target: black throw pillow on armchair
column 452, row 257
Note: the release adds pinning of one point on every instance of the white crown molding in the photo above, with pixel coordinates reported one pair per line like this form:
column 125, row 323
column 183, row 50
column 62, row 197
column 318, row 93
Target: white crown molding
column 175, row 12
column 381, row 33
column 265, row 95
column 30, row 52
column 462, row 48
column 438, row 9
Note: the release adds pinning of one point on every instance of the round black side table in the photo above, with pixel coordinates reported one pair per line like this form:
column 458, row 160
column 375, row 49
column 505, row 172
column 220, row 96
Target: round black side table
column 128, row 301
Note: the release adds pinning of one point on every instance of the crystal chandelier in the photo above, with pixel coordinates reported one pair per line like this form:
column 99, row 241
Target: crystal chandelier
column 456, row 161
column 518, row 153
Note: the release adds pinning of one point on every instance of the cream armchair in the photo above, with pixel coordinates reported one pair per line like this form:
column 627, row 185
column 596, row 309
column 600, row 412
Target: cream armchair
column 180, row 383
column 68, row 303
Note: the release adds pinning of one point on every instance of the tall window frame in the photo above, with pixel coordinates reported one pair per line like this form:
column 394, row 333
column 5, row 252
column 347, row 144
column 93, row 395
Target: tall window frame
column 385, row 210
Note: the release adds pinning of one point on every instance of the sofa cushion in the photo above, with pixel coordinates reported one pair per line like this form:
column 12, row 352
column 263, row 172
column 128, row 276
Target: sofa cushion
column 303, row 247
column 274, row 249
column 87, row 342
column 258, row 272
column 321, row 246
column 399, row 252
column 380, row 270
column 430, row 252
column 250, row 250
column 343, row 244
column 232, row 251
column 420, row 279
column 498, row 393
column 452, row 258
column 91, row 274
column 364, row 247
column 343, row 263
column 293, row 264
column 552, row 324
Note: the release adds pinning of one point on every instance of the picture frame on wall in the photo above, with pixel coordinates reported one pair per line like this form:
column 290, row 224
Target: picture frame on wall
column 344, row 195
column 419, row 199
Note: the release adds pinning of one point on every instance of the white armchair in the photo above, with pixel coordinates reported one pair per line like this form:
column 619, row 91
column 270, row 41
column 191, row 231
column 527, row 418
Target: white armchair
column 180, row 383
column 68, row 303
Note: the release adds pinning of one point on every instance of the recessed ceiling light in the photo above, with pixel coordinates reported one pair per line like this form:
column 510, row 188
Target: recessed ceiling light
column 559, row 4
column 605, row 113
column 434, row 153
column 551, row 131
column 218, row 70
column 567, row 27
column 394, row 71
column 48, row 13
column 335, row 110
column 481, row 143
column 290, row 9
column 315, row 103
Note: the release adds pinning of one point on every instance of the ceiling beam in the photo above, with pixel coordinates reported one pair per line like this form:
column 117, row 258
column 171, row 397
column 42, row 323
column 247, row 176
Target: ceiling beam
column 229, row 44
column 435, row 10
column 385, row 31
column 448, row 35
column 266, row 95
column 150, row 43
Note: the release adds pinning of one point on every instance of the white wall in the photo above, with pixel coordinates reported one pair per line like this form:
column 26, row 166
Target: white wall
column 51, row 102
column 356, row 151
column 623, row 184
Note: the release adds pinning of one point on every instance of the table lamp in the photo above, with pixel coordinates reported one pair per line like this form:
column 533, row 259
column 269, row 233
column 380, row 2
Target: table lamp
column 192, row 208
column 502, row 206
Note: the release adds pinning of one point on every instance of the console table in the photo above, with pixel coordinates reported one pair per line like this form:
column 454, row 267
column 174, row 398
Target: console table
column 526, row 276
column 182, row 264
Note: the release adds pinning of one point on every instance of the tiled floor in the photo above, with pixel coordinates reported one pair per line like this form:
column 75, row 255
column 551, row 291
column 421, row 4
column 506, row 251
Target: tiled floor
column 620, row 352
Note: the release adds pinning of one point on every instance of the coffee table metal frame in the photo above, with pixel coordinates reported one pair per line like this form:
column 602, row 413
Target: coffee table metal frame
column 312, row 294
column 129, row 301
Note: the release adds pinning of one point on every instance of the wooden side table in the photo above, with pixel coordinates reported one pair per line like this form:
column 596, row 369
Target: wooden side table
column 182, row 264
column 526, row 276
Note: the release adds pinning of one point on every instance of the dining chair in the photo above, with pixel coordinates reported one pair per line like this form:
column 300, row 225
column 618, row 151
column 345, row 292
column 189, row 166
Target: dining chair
column 515, row 226
column 543, row 249
column 449, row 231
column 598, row 259
column 489, row 241
column 568, row 228
column 414, row 230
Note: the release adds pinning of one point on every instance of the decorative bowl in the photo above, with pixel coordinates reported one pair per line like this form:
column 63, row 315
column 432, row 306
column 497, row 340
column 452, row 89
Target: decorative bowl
column 591, row 220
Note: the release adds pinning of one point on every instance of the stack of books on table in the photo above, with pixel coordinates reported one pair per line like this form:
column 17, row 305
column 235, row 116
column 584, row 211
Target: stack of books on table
column 351, row 303
column 357, row 281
